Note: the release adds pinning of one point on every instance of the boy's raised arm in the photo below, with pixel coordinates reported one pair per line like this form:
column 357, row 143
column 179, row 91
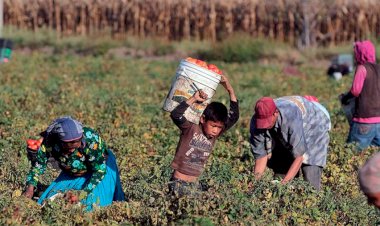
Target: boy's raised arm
column 227, row 85
column 233, row 113
column 177, row 113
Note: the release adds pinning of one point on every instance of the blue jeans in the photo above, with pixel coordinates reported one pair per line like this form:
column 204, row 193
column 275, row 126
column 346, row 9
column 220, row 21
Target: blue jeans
column 364, row 135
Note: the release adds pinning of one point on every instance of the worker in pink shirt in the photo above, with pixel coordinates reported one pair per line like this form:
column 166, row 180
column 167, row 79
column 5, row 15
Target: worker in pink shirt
column 365, row 125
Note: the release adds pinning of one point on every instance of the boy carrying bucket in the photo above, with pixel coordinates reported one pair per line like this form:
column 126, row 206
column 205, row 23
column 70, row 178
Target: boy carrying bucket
column 196, row 141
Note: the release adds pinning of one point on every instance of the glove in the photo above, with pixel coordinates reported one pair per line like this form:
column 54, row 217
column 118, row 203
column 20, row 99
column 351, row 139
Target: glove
column 344, row 98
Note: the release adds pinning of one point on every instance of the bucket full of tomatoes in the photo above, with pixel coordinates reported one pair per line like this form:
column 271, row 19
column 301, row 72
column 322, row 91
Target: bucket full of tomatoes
column 192, row 75
column 32, row 148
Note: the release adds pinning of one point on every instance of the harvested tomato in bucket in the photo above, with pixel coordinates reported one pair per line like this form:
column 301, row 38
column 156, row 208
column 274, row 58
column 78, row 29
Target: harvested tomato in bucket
column 34, row 144
column 192, row 75
column 214, row 68
column 32, row 149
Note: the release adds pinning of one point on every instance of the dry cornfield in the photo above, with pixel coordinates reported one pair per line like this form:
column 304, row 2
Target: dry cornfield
column 326, row 22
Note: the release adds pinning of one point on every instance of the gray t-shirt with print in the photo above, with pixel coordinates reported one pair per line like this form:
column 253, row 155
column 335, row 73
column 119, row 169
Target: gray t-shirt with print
column 301, row 128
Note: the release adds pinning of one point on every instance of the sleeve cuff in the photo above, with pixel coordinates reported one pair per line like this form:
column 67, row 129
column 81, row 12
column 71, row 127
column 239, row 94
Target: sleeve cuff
column 184, row 104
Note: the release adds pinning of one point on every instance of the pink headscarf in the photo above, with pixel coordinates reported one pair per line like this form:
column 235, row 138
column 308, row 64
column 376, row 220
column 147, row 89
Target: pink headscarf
column 369, row 175
column 364, row 52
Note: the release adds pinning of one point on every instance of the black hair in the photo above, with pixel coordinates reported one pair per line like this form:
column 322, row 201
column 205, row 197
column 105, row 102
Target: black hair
column 216, row 111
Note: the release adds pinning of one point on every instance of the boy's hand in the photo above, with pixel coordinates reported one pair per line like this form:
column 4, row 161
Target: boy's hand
column 29, row 192
column 227, row 85
column 198, row 96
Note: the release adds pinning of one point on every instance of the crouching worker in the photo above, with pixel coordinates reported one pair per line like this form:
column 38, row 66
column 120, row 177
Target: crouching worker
column 369, row 180
column 86, row 163
column 288, row 134
column 196, row 141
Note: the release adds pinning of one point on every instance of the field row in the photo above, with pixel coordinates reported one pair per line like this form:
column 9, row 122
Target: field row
column 122, row 99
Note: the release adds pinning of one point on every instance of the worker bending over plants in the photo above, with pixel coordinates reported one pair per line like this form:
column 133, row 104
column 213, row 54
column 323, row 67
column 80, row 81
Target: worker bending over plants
column 288, row 134
column 89, row 172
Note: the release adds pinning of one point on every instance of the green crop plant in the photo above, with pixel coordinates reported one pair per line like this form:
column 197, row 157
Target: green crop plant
column 122, row 99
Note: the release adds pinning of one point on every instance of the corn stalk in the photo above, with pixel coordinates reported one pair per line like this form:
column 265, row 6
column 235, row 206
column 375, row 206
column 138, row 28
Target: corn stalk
column 301, row 22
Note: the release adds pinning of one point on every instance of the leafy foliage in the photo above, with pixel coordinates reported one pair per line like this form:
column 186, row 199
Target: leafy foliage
column 238, row 48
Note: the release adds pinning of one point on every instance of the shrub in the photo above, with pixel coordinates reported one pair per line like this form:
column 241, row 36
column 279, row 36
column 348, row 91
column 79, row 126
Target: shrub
column 237, row 48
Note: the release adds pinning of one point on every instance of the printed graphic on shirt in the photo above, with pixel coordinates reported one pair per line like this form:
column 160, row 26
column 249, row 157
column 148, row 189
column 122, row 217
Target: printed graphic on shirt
column 200, row 149
column 201, row 142
column 299, row 103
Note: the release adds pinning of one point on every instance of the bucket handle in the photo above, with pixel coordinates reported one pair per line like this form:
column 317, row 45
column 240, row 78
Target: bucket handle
column 192, row 84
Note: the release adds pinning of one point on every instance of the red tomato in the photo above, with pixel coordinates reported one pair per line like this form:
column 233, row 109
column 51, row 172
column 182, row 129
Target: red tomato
column 219, row 72
column 31, row 142
column 39, row 141
column 74, row 199
column 202, row 63
column 191, row 60
column 214, row 68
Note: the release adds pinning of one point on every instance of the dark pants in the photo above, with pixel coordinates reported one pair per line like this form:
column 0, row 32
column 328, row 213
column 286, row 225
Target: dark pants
column 181, row 188
column 281, row 161
column 313, row 175
column 178, row 189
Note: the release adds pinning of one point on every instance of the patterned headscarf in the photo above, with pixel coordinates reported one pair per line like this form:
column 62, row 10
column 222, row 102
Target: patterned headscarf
column 369, row 175
column 65, row 129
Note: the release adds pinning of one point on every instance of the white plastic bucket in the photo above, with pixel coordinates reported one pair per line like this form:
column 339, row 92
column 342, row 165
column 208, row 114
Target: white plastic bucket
column 190, row 78
column 337, row 76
